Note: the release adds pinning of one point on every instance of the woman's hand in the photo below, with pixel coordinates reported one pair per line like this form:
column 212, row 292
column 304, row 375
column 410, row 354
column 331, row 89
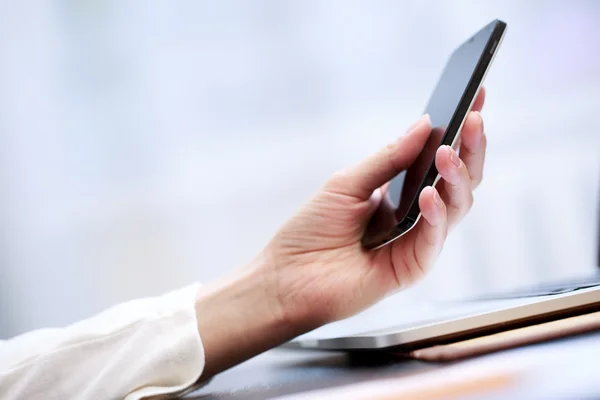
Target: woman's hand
column 316, row 261
column 315, row 270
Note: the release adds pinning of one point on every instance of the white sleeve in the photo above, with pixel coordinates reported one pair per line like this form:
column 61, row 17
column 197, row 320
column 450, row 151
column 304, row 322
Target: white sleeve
column 138, row 349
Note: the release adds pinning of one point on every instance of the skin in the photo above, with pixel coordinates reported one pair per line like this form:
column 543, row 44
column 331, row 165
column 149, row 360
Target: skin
column 314, row 270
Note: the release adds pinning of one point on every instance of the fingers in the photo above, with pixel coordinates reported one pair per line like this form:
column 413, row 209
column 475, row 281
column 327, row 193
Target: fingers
column 361, row 180
column 457, row 193
column 479, row 100
column 432, row 229
column 472, row 147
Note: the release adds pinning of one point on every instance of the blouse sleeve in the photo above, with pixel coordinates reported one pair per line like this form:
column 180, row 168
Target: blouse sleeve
column 135, row 350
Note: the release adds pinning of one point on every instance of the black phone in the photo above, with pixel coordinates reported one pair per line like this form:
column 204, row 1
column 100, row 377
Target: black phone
column 447, row 107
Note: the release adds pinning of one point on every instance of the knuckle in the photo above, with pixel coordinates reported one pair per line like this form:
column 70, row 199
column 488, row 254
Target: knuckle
column 463, row 203
column 339, row 176
column 389, row 152
column 390, row 148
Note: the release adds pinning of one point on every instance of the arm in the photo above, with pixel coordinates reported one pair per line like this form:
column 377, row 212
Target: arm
column 237, row 319
column 143, row 347
column 314, row 271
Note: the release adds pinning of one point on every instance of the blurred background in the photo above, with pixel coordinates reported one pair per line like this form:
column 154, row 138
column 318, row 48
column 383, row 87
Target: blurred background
column 146, row 145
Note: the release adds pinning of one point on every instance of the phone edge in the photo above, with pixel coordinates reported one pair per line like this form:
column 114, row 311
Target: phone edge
column 503, row 26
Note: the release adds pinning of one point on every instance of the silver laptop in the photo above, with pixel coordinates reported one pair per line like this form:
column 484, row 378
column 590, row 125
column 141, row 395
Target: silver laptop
column 389, row 325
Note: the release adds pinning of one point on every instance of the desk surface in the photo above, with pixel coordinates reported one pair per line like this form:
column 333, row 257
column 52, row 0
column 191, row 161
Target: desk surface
column 565, row 368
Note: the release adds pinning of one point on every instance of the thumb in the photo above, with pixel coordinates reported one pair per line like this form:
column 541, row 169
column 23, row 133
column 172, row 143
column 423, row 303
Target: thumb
column 361, row 180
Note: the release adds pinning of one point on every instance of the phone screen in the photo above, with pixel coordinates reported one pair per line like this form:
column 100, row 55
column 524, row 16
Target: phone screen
column 401, row 196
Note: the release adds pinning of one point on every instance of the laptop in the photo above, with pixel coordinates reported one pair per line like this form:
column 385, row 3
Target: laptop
column 388, row 326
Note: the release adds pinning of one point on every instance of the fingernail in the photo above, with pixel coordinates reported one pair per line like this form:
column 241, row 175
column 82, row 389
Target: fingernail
column 376, row 197
column 454, row 157
column 437, row 198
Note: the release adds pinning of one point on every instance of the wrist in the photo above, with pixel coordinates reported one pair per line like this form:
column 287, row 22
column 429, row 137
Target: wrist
column 287, row 299
column 240, row 317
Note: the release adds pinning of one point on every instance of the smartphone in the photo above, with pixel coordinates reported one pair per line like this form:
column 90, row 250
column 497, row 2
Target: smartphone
column 448, row 107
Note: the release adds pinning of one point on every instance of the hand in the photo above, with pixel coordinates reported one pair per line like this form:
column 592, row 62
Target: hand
column 315, row 270
column 316, row 261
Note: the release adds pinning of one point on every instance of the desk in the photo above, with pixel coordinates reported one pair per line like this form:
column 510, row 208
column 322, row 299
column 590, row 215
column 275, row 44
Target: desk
column 566, row 368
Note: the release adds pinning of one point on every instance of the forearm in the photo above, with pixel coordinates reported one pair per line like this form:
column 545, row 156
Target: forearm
column 239, row 317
